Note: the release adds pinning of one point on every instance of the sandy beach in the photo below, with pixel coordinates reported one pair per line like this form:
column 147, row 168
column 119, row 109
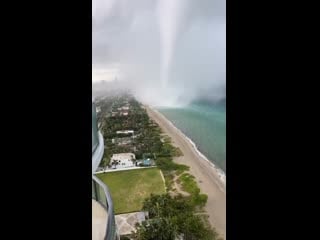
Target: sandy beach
column 207, row 176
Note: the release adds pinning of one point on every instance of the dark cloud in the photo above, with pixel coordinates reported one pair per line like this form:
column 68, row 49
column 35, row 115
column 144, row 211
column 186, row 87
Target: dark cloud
column 127, row 40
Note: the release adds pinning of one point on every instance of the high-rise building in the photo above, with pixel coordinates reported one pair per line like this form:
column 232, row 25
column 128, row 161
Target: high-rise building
column 103, row 221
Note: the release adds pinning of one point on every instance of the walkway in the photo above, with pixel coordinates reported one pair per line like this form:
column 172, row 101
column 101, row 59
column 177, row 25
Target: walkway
column 122, row 169
column 126, row 222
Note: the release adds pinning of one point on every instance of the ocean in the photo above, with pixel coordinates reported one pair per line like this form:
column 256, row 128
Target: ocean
column 205, row 125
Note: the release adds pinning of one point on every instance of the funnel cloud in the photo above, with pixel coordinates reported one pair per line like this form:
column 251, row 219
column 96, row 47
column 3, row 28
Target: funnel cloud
column 167, row 52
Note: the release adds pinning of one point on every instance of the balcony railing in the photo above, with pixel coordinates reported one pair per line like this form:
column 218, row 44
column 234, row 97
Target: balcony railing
column 101, row 194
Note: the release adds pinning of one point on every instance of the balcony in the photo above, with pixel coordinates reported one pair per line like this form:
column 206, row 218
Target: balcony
column 103, row 222
column 99, row 221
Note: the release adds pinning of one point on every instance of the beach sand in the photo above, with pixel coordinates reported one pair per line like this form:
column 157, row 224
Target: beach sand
column 204, row 171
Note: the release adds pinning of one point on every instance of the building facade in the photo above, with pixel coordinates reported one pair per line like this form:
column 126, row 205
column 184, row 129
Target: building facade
column 103, row 220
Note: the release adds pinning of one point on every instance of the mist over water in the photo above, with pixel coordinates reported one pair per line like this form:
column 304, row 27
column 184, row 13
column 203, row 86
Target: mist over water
column 167, row 52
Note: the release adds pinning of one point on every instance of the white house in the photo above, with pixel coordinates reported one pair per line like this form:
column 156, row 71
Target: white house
column 124, row 160
column 125, row 132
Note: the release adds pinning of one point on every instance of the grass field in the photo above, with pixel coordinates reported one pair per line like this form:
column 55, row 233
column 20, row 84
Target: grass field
column 130, row 188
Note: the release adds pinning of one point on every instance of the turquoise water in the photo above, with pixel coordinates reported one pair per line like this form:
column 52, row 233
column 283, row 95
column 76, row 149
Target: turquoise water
column 205, row 125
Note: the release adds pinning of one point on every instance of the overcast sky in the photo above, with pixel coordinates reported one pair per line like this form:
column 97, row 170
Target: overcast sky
column 173, row 50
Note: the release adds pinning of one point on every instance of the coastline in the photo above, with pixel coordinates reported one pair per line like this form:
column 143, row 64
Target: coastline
column 219, row 171
column 211, row 179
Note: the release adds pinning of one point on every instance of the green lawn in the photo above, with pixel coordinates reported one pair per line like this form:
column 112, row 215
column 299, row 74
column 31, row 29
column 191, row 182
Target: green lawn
column 130, row 188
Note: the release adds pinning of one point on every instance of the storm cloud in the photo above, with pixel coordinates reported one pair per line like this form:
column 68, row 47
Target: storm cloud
column 167, row 52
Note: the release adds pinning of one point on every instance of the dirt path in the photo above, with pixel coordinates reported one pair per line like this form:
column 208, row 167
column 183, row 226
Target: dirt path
column 178, row 188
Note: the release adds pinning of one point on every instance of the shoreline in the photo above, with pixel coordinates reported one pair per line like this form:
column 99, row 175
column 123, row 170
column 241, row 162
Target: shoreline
column 219, row 171
column 210, row 178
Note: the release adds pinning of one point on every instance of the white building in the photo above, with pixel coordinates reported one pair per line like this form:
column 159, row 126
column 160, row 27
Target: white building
column 124, row 160
column 125, row 132
column 125, row 108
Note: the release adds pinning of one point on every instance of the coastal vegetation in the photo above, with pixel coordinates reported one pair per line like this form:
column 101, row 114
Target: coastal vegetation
column 173, row 218
column 176, row 209
column 147, row 137
column 189, row 185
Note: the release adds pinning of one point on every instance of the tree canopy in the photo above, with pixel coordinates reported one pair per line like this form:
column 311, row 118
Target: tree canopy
column 173, row 217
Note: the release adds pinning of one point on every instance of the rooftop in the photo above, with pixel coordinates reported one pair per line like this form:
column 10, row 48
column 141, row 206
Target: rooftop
column 123, row 156
column 125, row 131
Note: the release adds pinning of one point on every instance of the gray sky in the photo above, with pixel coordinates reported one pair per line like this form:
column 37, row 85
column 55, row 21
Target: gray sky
column 166, row 51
